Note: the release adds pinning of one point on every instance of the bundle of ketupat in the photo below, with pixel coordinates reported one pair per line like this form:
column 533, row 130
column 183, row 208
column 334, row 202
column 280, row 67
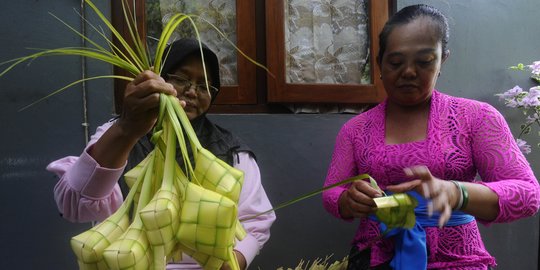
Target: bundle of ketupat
column 196, row 214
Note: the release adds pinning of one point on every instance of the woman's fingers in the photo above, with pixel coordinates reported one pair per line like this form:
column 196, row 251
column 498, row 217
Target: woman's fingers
column 147, row 83
column 141, row 102
column 359, row 210
column 404, row 187
column 442, row 205
column 438, row 192
column 366, row 188
column 182, row 102
column 420, row 172
column 151, row 86
column 362, row 193
column 146, row 75
column 428, row 188
column 142, row 94
column 359, row 198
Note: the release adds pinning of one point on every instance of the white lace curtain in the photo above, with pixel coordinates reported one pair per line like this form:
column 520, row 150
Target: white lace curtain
column 327, row 41
column 221, row 13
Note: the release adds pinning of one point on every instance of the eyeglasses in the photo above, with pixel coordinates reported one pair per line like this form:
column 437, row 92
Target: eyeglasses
column 184, row 84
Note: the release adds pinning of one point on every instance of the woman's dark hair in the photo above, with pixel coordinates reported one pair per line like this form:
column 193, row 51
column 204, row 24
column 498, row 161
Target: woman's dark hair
column 410, row 13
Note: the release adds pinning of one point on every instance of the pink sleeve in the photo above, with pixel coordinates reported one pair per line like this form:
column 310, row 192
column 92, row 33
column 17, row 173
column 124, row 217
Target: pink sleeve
column 253, row 200
column 86, row 191
column 502, row 167
column 341, row 167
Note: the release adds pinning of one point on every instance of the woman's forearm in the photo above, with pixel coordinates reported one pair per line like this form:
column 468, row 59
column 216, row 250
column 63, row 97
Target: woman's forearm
column 112, row 149
column 482, row 203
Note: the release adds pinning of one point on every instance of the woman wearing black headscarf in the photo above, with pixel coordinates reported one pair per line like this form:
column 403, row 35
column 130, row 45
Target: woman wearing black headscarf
column 89, row 190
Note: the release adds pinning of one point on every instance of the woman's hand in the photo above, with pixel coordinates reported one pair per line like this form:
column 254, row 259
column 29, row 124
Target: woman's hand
column 357, row 201
column 139, row 114
column 443, row 195
column 141, row 103
column 241, row 261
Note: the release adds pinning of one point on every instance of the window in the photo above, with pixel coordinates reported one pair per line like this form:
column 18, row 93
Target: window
column 320, row 52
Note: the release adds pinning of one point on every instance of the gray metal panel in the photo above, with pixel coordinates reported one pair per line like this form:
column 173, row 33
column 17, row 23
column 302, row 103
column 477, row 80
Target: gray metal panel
column 32, row 234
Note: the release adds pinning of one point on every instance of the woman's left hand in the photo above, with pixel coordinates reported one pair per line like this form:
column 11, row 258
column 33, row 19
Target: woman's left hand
column 241, row 261
column 443, row 195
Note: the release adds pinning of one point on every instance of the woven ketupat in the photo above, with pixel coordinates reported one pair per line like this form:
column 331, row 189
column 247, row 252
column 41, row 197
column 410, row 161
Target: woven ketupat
column 210, row 225
column 131, row 251
column 161, row 216
column 208, row 262
column 89, row 245
column 214, row 174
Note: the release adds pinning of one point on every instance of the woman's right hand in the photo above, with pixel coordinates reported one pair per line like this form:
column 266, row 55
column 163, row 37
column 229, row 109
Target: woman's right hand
column 140, row 110
column 141, row 103
column 357, row 201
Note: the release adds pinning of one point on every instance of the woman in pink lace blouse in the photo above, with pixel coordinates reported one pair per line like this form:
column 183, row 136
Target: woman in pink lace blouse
column 432, row 145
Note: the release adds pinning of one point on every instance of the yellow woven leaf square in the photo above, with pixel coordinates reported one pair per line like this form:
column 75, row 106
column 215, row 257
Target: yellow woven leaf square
column 208, row 212
column 190, row 212
column 227, row 215
column 187, row 234
column 206, row 235
column 160, row 236
column 216, row 175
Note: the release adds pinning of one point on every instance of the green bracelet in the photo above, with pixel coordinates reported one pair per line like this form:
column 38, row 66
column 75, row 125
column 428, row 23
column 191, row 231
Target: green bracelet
column 465, row 196
column 460, row 190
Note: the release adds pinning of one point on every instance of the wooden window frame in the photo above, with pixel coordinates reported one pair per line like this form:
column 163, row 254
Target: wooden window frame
column 281, row 91
column 242, row 93
column 257, row 91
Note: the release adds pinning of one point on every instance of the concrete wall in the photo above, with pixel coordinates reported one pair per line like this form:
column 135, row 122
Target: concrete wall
column 487, row 36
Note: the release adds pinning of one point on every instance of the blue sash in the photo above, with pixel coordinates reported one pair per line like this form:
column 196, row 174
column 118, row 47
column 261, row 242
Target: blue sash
column 410, row 244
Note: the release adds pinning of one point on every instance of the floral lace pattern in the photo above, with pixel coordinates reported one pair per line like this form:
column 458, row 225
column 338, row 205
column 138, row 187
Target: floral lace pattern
column 327, row 41
column 221, row 13
column 464, row 138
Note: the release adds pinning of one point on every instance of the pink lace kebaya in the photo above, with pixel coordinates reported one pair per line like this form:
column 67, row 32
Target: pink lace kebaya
column 465, row 139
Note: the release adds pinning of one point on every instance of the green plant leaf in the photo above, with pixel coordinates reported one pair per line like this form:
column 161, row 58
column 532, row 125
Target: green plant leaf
column 374, row 184
column 136, row 58
column 72, row 84
column 310, row 194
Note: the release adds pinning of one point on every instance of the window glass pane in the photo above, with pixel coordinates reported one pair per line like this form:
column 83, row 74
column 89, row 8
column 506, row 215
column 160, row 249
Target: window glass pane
column 327, row 41
column 221, row 13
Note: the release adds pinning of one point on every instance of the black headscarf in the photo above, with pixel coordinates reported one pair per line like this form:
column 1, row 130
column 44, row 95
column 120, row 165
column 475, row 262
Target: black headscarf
column 179, row 50
column 221, row 142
